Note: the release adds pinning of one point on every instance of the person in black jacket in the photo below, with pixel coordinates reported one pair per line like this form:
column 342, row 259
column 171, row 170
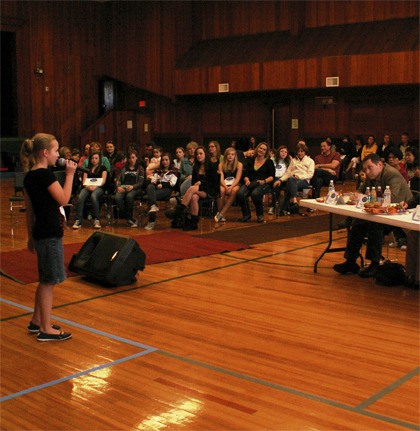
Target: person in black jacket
column 258, row 176
column 204, row 184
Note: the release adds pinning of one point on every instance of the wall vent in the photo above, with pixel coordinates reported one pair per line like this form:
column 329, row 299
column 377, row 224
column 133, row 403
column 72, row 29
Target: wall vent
column 332, row 81
column 223, row 88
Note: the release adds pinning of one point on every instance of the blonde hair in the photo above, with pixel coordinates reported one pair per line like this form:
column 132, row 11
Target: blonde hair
column 31, row 148
column 224, row 162
column 267, row 153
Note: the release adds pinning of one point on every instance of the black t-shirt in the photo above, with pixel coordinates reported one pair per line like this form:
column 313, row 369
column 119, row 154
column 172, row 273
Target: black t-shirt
column 48, row 219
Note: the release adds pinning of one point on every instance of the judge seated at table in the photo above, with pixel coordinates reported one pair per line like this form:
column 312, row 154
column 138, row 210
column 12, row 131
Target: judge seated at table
column 382, row 175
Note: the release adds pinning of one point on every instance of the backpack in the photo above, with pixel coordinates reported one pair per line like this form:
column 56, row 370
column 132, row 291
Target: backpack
column 391, row 274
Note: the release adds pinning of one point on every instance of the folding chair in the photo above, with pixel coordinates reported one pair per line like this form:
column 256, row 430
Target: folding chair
column 17, row 200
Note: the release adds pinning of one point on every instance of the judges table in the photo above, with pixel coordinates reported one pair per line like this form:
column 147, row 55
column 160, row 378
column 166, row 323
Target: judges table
column 402, row 220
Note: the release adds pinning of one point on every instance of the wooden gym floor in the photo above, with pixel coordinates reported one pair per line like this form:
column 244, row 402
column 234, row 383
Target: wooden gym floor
column 247, row 340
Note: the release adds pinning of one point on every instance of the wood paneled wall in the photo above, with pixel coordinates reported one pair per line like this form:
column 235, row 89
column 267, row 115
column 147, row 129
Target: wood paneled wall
column 77, row 43
column 220, row 19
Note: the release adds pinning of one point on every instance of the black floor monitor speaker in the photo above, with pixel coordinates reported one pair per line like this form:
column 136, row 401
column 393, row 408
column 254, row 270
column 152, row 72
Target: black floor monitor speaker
column 113, row 260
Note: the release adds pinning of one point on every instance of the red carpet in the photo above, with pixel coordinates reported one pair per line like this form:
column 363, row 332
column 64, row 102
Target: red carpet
column 21, row 265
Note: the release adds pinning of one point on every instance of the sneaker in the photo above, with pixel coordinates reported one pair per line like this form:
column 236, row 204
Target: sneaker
column 77, row 224
column 34, row 329
column 154, row 209
column 43, row 336
column 150, row 225
column 260, row 219
column 219, row 217
column 403, row 248
column 96, row 224
column 393, row 245
column 132, row 223
column 271, row 211
column 345, row 267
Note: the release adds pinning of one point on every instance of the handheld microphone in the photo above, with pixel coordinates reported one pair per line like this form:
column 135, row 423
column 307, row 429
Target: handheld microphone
column 62, row 162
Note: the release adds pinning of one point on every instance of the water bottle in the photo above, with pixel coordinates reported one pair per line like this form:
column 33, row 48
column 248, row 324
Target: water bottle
column 373, row 195
column 387, row 196
column 368, row 194
column 331, row 187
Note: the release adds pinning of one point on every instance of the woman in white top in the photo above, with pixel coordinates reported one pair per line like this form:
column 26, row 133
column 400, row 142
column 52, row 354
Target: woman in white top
column 298, row 175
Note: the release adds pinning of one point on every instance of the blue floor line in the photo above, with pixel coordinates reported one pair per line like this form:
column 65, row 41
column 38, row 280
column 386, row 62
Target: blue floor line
column 86, row 328
column 292, row 391
column 388, row 389
column 74, row 376
column 359, row 409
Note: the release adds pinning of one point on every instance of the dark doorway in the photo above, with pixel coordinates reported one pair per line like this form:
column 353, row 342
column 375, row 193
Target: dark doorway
column 8, row 92
column 106, row 96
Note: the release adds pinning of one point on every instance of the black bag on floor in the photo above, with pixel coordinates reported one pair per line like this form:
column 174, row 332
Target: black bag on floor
column 178, row 219
column 391, row 274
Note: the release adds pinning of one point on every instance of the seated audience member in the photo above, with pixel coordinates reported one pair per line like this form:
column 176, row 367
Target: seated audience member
column 382, row 175
column 75, row 155
column 204, row 184
column 186, row 168
column 230, row 171
column 383, row 148
column 415, row 180
column 353, row 166
column 147, row 154
column 85, row 155
column 96, row 147
column 371, row 147
column 162, row 184
column 154, row 162
column 412, row 264
column 346, row 150
column 282, row 161
column 214, row 151
column 110, row 152
column 411, row 161
column 120, row 162
column 98, row 171
column 129, row 185
column 327, row 168
column 393, row 158
column 259, row 173
column 179, row 157
column 297, row 177
column 65, row 152
column 405, row 142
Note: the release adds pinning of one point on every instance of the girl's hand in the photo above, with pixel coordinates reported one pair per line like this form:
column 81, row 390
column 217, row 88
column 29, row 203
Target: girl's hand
column 129, row 188
column 120, row 190
column 71, row 166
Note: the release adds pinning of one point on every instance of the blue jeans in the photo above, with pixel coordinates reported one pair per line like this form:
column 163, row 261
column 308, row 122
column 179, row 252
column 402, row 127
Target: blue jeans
column 294, row 186
column 321, row 178
column 50, row 256
column 257, row 193
column 155, row 194
column 95, row 197
column 125, row 203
